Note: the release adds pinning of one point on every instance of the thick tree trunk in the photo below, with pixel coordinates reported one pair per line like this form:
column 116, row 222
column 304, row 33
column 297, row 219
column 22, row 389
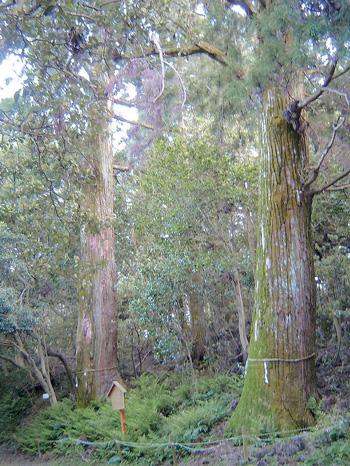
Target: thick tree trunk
column 97, row 325
column 280, row 370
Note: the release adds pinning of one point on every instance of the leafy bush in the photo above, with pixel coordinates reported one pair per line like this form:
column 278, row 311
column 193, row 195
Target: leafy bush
column 12, row 409
column 14, row 402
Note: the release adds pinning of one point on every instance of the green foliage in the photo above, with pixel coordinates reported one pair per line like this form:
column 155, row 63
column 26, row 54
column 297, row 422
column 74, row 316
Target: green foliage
column 338, row 453
column 157, row 412
column 14, row 402
column 12, row 409
column 331, row 446
column 332, row 269
column 188, row 207
column 183, row 205
column 162, row 410
column 13, row 317
column 191, row 423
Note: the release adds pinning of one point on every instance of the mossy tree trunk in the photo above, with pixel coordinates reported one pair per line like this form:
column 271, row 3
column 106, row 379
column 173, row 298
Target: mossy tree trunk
column 97, row 324
column 280, row 370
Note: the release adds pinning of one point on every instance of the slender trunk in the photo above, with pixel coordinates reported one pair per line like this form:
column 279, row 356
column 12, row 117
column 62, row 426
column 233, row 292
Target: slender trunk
column 241, row 317
column 56, row 354
column 97, row 324
column 198, row 328
column 39, row 369
column 45, row 371
column 250, row 232
column 280, row 370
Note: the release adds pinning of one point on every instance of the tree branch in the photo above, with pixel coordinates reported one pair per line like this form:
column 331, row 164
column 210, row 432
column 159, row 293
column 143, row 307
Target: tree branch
column 155, row 39
column 330, row 186
column 304, row 103
column 213, row 52
column 325, row 152
column 341, row 73
column 199, row 48
column 121, row 168
column 60, row 356
column 123, row 102
column 246, row 5
column 131, row 122
column 340, row 187
column 341, row 94
column 181, row 82
column 12, row 361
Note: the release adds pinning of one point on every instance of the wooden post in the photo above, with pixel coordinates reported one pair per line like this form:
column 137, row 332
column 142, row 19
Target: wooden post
column 123, row 420
column 117, row 396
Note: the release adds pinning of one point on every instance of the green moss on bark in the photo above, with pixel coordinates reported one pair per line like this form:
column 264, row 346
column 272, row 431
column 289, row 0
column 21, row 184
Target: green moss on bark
column 280, row 373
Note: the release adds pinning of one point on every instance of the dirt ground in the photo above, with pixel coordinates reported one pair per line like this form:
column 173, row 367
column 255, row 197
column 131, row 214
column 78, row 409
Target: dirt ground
column 8, row 458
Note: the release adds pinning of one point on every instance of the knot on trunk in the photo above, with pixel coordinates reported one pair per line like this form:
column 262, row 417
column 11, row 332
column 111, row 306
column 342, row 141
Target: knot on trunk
column 292, row 115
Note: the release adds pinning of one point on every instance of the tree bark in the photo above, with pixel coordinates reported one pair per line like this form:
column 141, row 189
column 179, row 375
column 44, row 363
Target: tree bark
column 280, row 369
column 97, row 324
column 241, row 316
column 198, row 328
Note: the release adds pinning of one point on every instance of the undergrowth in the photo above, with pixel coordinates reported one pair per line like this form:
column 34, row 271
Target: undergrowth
column 14, row 402
column 157, row 412
column 168, row 410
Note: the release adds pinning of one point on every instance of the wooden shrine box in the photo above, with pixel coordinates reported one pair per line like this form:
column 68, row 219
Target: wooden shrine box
column 117, row 395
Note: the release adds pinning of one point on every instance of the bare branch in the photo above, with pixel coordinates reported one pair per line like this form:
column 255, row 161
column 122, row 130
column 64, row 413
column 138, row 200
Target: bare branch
column 340, row 187
column 121, row 168
column 345, row 70
column 131, row 122
column 12, row 361
column 155, row 39
column 199, row 48
column 330, row 186
column 181, row 82
column 341, row 94
column 123, row 102
column 304, row 103
column 325, row 151
column 110, row 2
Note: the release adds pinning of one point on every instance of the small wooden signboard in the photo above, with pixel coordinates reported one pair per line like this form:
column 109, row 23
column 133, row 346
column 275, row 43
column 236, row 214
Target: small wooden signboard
column 117, row 396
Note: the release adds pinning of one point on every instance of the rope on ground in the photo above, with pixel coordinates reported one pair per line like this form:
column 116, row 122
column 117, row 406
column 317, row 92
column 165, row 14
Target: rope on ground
column 191, row 447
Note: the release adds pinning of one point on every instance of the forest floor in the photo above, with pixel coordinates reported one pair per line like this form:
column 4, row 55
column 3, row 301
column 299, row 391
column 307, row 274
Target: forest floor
column 330, row 446
column 11, row 458
column 191, row 413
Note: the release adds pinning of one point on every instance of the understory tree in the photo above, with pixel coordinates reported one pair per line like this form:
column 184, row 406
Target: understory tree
column 37, row 265
column 190, row 211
